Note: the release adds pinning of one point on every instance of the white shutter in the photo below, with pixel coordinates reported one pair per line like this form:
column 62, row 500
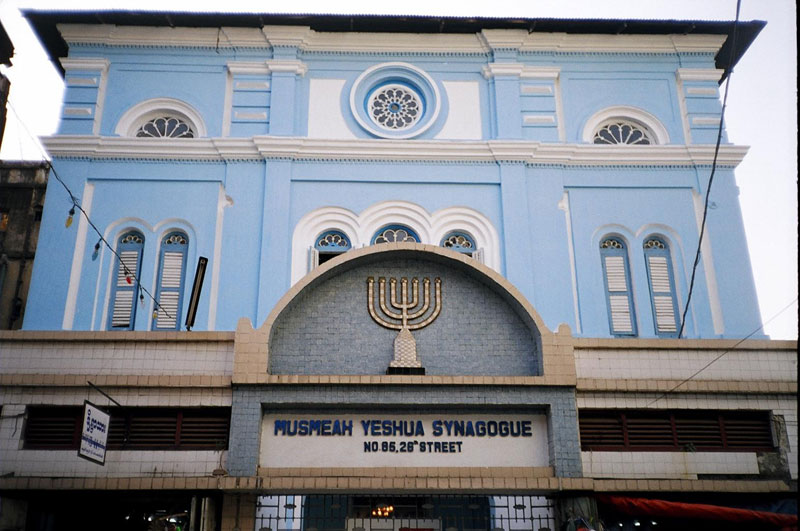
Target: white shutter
column 478, row 255
column 618, row 299
column 313, row 259
column 661, row 287
column 123, row 307
column 168, row 311
column 172, row 270
column 127, row 267
column 122, row 310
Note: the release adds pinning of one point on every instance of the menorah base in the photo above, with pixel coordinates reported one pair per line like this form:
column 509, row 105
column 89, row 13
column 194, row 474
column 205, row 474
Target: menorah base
column 405, row 370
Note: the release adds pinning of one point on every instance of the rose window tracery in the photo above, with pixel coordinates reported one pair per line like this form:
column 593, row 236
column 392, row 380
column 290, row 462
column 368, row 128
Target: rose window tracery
column 395, row 107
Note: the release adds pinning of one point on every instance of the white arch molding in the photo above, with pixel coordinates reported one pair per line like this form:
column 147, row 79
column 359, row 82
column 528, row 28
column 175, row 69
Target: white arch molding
column 360, row 228
column 140, row 113
column 625, row 112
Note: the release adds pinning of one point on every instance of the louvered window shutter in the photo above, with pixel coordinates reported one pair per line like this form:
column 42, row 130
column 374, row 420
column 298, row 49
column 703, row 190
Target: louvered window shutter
column 313, row 259
column 478, row 255
column 662, row 287
column 618, row 289
column 170, row 282
column 123, row 308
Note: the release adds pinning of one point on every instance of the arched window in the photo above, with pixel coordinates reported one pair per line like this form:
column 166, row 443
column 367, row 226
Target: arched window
column 169, row 291
column 622, row 131
column 327, row 245
column 161, row 118
column 616, row 276
column 395, row 233
column 462, row 242
column 662, row 286
column 124, row 288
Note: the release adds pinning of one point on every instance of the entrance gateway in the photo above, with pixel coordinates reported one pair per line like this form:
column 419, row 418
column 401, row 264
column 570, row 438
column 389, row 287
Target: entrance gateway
column 403, row 390
column 404, row 513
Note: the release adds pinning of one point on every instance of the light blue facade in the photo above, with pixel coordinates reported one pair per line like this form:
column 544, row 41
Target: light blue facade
column 550, row 208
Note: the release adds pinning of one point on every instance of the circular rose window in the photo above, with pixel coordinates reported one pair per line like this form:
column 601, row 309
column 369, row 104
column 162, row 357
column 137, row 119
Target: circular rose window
column 395, row 100
column 395, row 107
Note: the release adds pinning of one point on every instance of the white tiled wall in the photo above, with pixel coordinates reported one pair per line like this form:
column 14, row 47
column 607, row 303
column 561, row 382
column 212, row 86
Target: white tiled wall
column 118, row 463
column 783, row 405
column 662, row 364
column 117, row 357
column 666, row 465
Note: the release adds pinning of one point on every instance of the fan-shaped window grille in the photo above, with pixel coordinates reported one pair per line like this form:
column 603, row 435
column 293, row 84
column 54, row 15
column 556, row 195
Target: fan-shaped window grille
column 662, row 287
column 330, row 244
column 165, row 127
column 460, row 242
column 169, row 292
column 622, row 132
column 616, row 276
column 395, row 233
column 124, row 283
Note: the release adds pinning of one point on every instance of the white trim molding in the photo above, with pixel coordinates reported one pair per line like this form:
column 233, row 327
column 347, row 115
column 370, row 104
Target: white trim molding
column 359, row 228
column 636, row 114
column 700, row 74
column 306, row 39
column 130, row 121
column 301, row 148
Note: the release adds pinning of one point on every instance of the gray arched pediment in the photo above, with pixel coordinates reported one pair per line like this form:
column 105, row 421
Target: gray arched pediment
column 323, row 324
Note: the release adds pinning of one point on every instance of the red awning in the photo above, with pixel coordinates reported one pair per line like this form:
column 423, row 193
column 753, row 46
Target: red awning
column 670, row 509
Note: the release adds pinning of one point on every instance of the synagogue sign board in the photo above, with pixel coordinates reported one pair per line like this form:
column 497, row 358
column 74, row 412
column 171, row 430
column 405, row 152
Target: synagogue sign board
column 94, row 433
column 309, row 440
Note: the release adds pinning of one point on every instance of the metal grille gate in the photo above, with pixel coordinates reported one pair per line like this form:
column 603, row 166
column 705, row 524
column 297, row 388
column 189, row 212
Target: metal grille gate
column 404, row 513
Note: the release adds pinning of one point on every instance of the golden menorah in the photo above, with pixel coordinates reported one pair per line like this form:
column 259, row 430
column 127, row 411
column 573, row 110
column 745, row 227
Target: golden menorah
column 405, row 315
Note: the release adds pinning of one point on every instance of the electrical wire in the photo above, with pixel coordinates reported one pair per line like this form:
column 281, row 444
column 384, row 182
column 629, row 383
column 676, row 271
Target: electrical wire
column 76, row 204
column 713, row 168
column 710, row 363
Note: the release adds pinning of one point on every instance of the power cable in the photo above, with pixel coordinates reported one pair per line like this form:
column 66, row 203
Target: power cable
column 713, row 168
column 710, row 363
column 76, row 204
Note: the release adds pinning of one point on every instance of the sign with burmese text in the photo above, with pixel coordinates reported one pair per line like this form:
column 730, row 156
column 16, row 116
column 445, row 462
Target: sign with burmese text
column 377, row 440
column 94, row 433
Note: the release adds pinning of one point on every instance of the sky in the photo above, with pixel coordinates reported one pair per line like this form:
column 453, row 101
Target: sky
column 761, row 111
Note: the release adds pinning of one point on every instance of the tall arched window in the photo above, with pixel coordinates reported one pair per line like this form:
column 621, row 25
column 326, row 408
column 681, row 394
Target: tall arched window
column 327, row 245
column 395, row 233
column 662, row 286
column 124, row 288
column 169, row 292
column 616, row 276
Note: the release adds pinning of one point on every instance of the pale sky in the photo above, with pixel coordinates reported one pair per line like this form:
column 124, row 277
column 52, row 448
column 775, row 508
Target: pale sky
column 761, row 113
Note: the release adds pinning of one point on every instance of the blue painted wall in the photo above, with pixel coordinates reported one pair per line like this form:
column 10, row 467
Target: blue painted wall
column 549, row 218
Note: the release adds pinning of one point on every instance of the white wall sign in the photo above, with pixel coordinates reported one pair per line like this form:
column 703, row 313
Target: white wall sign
column 94, row 434
column 312, row 440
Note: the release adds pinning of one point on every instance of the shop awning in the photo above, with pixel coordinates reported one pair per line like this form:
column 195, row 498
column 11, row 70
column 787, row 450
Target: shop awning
column 671, row 509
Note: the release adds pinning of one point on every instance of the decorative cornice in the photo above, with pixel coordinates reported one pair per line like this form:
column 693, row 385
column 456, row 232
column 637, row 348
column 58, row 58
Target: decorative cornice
column 267, row 67
column 303, row 38
column 700, row 74
column 294, row 148
column 85, row 63
column 520, row 70
column 290, row 67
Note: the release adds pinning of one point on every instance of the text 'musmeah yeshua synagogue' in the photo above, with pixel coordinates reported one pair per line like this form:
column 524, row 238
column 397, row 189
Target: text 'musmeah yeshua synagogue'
column 377, row 273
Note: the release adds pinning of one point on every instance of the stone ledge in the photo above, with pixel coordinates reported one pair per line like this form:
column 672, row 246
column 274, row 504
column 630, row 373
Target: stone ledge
column 115, row 380
column 398, row 484
column 66, row 335
column 380, row 379
column 682, row 344
column 691, row 386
